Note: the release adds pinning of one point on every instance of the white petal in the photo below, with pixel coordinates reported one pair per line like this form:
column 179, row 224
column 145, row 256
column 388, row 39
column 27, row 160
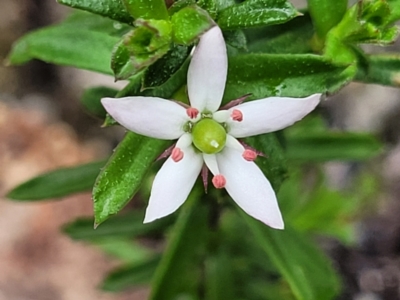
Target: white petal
column 211, row 163
column 173, row 184
column 207, row 71
column 270, row 114
column 249, row 188
column 149, row 116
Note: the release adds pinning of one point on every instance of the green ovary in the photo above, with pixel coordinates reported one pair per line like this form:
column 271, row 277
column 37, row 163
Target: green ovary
column 209, row 136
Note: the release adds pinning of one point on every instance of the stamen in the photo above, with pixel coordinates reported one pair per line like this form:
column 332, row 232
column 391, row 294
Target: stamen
column 237, row 115
column 249, row 155
column 219, row 181
column 192, row 112
column 177, row 154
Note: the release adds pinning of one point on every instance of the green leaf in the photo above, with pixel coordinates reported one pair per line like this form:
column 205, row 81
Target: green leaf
column 326, row 14
column 219, row 281
column 147, row 9
column 327, row 146
column 380, row 69
column 58, row 183
column 251, row 13
column 159, row 72
column 65, row 45
column 131, row 276
column 211, row 6
column 113, row 9
column 236, row 39
column 367, row 21
column 189, row 23
column 184, row 251
column 306, row 269
column 394, row 10
column 292, row 37
column 141, row 47
column 123, row 249
column 274, row 164
column 89, row 21
column 91, row 99
column 120, row 179
column 126, row 225
column 266, row 75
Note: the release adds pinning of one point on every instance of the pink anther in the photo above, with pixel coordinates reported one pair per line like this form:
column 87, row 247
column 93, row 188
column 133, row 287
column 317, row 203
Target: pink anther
column 219, row 181
column 176, row 154
column 249, row 155
column 192, row 112
column 237, row 115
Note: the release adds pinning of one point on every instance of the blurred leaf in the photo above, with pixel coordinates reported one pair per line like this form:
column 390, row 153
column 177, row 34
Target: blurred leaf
column 65, row 45
column 182, row 257
column 58, row 183
column 306, row 269
column 380, row 69
column 125, row 225
column 292, row 37
column 91, row 99
column 326, row 14
column 189, row 23
column 132, row 275
column 266, row 75
column 149, row 9
column 141, row 47
column 108, row 8
column 219, row 281
column 120, row 179
column 124, row 249
column 159, row 72
column 274, row 164
column 327, row 146
column 251, row 13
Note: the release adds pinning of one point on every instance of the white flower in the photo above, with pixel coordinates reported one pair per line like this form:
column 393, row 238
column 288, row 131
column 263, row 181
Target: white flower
column 208, row 135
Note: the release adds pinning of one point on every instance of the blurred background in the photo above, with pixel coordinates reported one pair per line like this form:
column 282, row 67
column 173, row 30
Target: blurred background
column 43, row 126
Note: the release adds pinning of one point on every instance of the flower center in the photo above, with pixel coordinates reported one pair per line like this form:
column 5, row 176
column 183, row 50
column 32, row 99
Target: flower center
column 209, row 136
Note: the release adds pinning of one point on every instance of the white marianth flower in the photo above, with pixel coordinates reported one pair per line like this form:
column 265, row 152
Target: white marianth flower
column 208, row 135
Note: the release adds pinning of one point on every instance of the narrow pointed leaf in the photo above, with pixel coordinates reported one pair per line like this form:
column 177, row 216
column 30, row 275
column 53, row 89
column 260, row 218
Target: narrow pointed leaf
column 131, row 276
column 380, row 69
column 253, row 13
column 266, row 75
column 327, row 146
column 58, row 183
column 306, row 269
column 122, row 176
column 126, row 225
column 63, row 45
column 113, row 9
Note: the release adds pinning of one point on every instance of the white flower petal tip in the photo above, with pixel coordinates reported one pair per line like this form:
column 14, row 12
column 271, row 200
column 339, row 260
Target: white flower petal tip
column 270, row 114
column 249, row 188
column 207, row 71
column 173, row 184
column 149, row 116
